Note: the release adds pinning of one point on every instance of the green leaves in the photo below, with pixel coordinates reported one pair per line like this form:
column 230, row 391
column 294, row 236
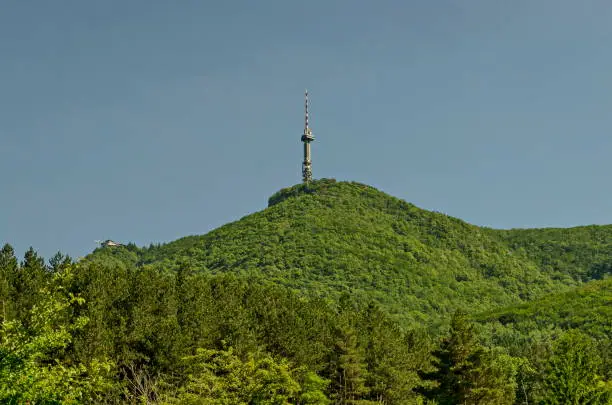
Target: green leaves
column 586, row 308
column 219, row 377
column 31, row 366
column 573, row 373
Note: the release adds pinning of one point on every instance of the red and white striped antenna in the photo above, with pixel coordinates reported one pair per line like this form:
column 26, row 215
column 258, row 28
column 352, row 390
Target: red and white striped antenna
column 306, row 110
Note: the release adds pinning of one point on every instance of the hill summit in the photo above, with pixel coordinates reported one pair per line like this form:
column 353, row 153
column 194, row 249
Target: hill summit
column 329, row 238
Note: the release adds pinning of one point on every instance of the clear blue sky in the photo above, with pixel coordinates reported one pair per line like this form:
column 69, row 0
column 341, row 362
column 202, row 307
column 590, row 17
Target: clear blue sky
column 148, row 120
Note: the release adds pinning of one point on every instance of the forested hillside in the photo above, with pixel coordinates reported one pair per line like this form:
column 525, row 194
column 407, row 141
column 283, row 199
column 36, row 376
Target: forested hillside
column 580, row 253
column 335, row 294
column 331, row 237
column 588, row 308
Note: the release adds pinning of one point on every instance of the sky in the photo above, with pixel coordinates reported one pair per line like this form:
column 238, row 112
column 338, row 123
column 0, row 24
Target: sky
column 149, row 120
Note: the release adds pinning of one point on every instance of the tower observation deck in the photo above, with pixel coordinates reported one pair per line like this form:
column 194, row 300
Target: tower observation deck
column 307, row 137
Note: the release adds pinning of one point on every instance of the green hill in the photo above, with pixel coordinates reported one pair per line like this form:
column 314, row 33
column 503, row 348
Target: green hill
column 528, row 330
column 329, row 238
column 588, row 308
column 293, row 303
column 580, row 253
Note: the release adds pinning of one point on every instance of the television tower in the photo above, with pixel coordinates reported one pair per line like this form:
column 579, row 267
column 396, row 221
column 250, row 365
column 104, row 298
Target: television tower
column 306, row 138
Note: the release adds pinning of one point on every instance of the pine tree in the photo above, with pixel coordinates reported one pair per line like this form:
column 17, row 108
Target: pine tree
column 467, row 373
column 390, row 357
column 8, row 275
column 59, row 262
column 31, row 277
column 349, row 368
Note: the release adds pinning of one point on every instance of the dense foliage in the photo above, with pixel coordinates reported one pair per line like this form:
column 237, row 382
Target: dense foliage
column 580, row 253
column 326, row 238
column 335, row 294
column 588, row 308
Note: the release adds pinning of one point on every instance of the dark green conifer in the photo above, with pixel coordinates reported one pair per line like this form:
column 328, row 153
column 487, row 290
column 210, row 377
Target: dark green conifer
column 466, row 373
column 31, row 278
column 349, row 368
column 8, row 276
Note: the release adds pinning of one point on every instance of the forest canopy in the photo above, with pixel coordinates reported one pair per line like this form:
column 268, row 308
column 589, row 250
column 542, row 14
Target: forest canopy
column 335, row 294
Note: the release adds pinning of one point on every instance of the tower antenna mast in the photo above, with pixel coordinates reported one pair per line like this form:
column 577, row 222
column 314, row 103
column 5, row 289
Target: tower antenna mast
column 307, row 138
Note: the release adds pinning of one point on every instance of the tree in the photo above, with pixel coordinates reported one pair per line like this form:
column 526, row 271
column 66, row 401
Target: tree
column 391, row 357
column 220, row 377
column 313, row 390
column 31, row 278
column 58, row 262
column 467, row 373
column 32, row 360
column 573, row 375
column 8, row 275
column 349, row 368
column 106, row 286
column 492, row 378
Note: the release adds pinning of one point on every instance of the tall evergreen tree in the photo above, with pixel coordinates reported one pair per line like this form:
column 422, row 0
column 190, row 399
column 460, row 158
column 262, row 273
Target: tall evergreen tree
column 349, row 368
column 8, row 261
column 59, row 262
column 31, row 278
column 8, row 276
column 390, row 356
column 466, row 373
column 106, row 286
